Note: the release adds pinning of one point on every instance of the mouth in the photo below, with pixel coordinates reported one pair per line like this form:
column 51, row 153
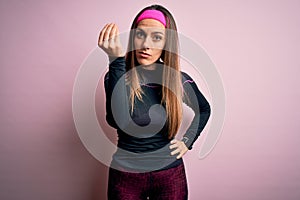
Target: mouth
column 144, row 54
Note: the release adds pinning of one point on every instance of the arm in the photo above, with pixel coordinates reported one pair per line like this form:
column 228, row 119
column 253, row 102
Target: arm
column 109, row 42
column 195, row 100
column 115, row 73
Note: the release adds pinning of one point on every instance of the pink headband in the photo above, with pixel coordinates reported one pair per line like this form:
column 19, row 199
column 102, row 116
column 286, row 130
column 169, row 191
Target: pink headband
column 152, row 14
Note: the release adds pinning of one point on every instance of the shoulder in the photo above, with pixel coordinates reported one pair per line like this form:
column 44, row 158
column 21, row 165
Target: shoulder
column 186, row 78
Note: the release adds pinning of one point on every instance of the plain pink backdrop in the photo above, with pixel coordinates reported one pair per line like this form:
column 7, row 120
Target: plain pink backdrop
column 254, row 44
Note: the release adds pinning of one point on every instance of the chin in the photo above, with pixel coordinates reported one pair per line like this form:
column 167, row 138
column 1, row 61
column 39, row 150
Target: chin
column 145, row 62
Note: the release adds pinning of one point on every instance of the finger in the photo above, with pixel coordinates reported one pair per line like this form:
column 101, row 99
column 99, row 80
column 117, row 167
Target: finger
column 107, row 32
column 176, row 151
column 113, row 32
column 182, row 152
column 101, row 37
column 173, row 146
column 112, row 36
column 173, row 141
column 100, row 41
column 117, row 35
column 106, row 39
column 180, row 155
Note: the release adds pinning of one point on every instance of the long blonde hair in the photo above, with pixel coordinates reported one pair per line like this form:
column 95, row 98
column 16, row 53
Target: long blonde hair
column 171, row 77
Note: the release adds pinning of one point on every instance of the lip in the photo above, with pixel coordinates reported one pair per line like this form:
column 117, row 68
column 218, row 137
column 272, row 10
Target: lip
column 144, row 54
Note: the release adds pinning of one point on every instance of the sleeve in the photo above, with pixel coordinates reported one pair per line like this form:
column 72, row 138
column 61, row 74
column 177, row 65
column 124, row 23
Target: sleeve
column 196, row 101
column 116, row 73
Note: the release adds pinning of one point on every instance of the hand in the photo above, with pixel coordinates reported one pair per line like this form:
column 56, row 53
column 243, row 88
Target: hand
column 180, row 148
column 109, row 40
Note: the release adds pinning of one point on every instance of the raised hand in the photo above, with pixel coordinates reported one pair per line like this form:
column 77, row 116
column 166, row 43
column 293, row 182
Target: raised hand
column 109, row 41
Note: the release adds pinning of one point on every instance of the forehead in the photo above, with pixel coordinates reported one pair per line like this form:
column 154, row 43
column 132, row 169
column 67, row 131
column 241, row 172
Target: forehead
column 151, row 25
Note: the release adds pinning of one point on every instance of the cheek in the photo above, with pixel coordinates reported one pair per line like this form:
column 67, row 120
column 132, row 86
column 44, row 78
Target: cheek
column 162, row 45
column 137, row 44
column 158, row 53
column 159, row 48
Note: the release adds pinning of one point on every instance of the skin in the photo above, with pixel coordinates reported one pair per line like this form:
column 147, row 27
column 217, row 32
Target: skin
column 149, row 42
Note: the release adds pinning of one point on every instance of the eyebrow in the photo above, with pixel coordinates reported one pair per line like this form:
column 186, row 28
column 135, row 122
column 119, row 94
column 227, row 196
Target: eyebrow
column 158, row 32
column 155, row 32
column 139, row 29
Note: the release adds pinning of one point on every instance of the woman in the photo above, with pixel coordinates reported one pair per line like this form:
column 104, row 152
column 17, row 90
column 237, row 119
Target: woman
column 145, row 90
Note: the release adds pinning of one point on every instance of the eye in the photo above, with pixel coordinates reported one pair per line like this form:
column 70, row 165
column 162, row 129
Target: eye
column 157, row 38
column 140, row 34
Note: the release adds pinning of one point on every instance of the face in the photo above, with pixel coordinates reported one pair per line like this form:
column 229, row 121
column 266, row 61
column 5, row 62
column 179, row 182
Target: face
column 149, row 41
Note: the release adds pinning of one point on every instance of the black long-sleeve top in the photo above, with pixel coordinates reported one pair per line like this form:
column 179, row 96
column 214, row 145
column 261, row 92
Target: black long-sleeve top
column 143, row 143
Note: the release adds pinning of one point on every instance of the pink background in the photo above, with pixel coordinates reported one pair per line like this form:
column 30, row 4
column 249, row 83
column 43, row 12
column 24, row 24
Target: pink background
column 254, row 44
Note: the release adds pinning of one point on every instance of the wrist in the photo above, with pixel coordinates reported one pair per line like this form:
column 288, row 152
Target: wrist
column 113, row 58
column 186, row 141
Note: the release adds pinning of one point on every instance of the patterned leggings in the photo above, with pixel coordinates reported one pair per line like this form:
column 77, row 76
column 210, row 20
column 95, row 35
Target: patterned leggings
column 169, row 184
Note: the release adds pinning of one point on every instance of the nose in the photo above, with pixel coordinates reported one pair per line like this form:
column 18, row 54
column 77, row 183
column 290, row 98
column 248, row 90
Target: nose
column 147, row 43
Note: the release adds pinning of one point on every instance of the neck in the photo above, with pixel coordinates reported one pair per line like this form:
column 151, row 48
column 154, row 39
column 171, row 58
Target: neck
column 149, row 67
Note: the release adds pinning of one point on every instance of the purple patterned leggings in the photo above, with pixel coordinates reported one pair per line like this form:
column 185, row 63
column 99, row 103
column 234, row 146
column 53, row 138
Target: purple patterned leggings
column 170, row 184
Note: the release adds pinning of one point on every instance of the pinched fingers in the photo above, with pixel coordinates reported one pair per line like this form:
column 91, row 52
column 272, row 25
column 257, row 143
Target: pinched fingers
column 109, row 40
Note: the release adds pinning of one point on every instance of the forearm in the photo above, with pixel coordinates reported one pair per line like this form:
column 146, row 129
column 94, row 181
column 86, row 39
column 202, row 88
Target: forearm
column 196, row 127
column 116, row 94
